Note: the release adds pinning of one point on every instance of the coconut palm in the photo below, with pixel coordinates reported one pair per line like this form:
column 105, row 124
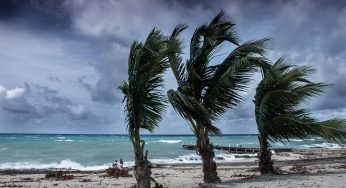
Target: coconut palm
column 144, row 101
column 206, row 91
column 280, row 114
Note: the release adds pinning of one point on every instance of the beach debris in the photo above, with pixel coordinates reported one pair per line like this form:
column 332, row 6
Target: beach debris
column 116, row 171
column 342, row 166
column 239, row 175
column 157, row 185
column 256, row 169
column 298, row 168
column 59, row 175
column 206, row 185
column 85, row 180
column 278, row 171
column 28, row 179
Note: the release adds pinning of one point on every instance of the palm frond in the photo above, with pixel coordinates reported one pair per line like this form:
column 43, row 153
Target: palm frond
column 333, row 130
column 144, row 101
column 204, row 92
column 233, row 75
column 205, row 43
column 174, row 52
column 286, row 126
column 189, row 108
column 278, row 98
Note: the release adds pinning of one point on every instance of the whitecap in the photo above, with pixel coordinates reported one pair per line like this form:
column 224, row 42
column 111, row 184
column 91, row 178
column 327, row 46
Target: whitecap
column 296, row 140
column 64, row 164
column 327, row 145
column 219, row 158
column 70, row 164
column 170, row 141
column 64, row 140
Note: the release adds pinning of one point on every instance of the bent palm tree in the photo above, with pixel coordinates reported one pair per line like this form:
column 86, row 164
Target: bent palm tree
column 279, row 112
column 204, row 91
column 144, row 102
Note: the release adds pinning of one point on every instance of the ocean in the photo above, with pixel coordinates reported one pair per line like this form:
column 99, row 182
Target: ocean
column 96, row 152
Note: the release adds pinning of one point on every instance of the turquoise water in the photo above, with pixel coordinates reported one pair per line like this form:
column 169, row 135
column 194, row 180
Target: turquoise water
column 92, row 152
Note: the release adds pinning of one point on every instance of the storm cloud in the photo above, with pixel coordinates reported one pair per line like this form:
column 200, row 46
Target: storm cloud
column 35, row 101
column 62, row 61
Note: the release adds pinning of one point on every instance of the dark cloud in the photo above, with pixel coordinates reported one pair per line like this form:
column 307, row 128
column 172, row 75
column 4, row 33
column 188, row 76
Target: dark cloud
column 38, row 14
column 8, row 9
column 14, row 103
column 105, row 91
column 35, row 101
column 335, row 96
column 65, row 44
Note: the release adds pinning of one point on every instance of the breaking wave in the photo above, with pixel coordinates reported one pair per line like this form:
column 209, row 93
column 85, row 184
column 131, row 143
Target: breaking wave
column 69, row 164
column 64, row 140
column 64, row 164
column 167, row 141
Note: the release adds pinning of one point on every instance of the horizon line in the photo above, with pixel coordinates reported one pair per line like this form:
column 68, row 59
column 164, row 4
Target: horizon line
column 91, row 134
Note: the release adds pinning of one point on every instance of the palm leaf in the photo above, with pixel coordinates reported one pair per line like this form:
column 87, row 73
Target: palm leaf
column 190, row 109
column 279, row 95
column 144, row 101
column 204, row 92
column 174, row 53
column 233, row 75
column 205, row 43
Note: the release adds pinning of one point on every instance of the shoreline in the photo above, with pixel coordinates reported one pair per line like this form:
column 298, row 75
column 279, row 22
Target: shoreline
column 309, row 169
column 306, row 173
column 277, row 163
column 239, row 159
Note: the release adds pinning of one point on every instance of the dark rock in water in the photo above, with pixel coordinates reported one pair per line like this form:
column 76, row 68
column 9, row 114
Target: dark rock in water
column 180, row 160
column 244, row 156
column 219, row 158
column 192, row 159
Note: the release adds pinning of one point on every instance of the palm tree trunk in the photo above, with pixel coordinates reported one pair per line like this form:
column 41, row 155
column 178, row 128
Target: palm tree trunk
column 142, row 165
column 205, row 150
column 265, row 161
column 209, row 165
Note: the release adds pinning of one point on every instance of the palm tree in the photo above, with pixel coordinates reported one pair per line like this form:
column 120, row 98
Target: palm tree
column 280, row 115
column 206, row 91
column 144, row 101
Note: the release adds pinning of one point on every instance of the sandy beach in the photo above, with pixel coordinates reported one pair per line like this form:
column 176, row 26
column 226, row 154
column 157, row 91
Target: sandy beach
column 309, row 168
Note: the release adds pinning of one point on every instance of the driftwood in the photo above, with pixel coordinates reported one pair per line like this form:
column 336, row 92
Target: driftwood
column 59, row 175
column 115, row 171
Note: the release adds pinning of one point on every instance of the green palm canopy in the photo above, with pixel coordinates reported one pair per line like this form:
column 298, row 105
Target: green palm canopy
column 144, row 100
column 206, row 88
column 206, row 91
column 280, row 112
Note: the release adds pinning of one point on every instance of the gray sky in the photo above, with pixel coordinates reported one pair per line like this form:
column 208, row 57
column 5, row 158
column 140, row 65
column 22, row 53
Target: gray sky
column 61, row 61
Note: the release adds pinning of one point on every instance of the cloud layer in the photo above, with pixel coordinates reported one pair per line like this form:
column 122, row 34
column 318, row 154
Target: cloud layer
column 35, row 101
column 61, row 61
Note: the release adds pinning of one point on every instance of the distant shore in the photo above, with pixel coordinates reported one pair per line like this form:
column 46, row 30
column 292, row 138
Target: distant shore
column 312, row 168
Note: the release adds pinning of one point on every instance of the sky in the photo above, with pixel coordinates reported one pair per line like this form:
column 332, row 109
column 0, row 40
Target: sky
column 61, row 61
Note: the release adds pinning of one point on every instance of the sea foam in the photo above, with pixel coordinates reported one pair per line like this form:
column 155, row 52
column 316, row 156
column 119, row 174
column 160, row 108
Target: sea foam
column 64, row 164
column 70, row 164
column 170, row 141
column 64, row 140
column 326, row 145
